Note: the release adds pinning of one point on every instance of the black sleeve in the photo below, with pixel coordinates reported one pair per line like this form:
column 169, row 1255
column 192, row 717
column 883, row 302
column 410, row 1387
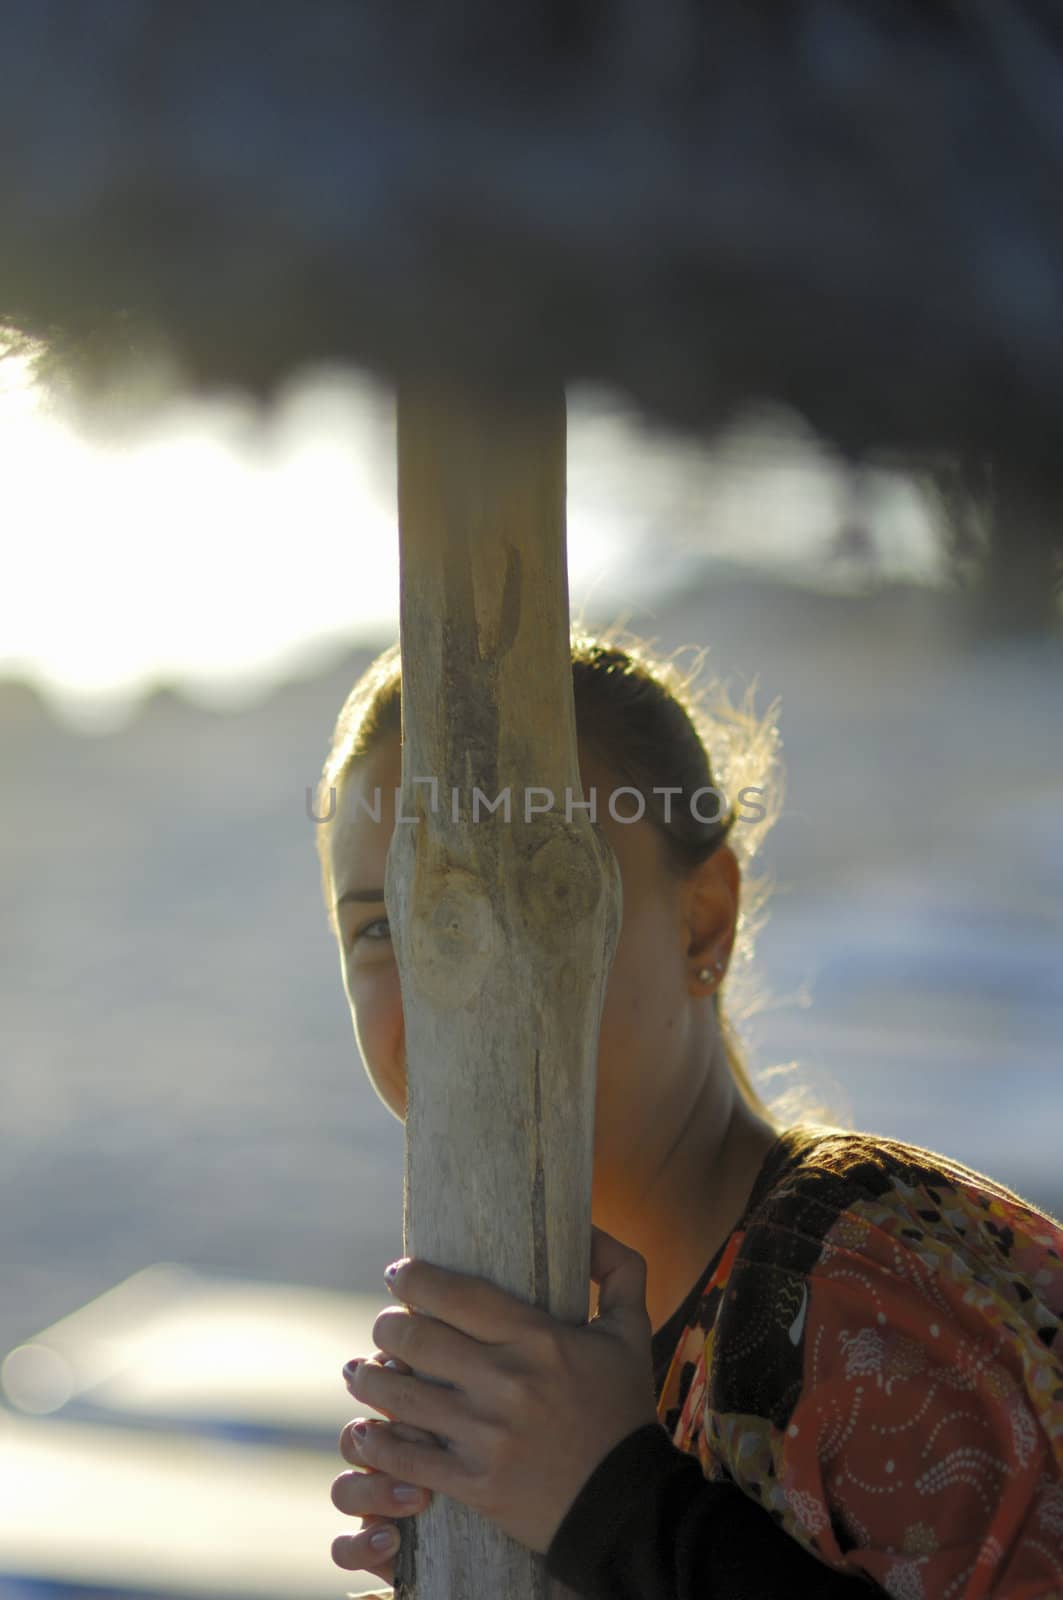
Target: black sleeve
column 648, row 1525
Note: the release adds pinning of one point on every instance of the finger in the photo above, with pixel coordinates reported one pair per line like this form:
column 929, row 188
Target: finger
column 360, row 1494
column 394, row 1362
column 404, row 1430
column 422, row 1400
column 465, row 1301
column 619, row 1272
column 378, row 1363
column 355, row 1552
column 435, row 1465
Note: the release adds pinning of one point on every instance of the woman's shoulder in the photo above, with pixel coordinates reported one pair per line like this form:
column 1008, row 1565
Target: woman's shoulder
column 817, row 1173
column 888, row 1353
column 864, row 1231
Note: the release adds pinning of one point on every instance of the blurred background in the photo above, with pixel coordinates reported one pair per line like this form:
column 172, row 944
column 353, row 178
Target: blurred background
column 200, row 1190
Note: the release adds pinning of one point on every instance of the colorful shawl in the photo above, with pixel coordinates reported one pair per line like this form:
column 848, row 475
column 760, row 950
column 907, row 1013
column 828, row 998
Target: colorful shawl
column 877, row 1360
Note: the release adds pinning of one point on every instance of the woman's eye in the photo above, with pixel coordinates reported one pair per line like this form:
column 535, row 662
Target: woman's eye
column 367, row 931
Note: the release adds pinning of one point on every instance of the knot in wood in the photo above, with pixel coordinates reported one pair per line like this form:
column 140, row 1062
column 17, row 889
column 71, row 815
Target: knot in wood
column 453, row 938
column 560, row 881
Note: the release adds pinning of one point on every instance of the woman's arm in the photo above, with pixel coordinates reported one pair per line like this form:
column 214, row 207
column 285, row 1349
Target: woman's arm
column 648, row 1525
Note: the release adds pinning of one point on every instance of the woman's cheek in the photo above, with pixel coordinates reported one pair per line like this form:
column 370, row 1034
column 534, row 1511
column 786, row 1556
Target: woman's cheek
column 393, row 1045
column 376, row 1004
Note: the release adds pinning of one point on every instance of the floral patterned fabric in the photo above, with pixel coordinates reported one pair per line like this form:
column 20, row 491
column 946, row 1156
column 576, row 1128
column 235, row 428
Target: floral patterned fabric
column 877, row 1360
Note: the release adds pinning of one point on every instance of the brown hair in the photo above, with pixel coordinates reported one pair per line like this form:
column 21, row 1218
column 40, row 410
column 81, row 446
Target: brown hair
column 649, row 722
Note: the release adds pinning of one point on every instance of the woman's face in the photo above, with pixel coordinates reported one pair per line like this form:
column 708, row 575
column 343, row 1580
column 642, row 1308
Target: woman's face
column 650, row 1051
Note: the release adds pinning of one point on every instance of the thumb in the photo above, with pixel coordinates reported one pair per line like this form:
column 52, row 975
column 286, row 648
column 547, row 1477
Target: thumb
column 620, row 1274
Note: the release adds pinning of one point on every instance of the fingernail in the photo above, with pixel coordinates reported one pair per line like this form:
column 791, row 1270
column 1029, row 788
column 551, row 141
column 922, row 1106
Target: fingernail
column 391, row 1362
column 381, row 1538
column 350, row 1369
column 392, row 1271
column 406, row 1491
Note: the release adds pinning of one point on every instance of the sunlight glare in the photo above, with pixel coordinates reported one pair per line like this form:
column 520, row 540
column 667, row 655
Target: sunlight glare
column 194, row 555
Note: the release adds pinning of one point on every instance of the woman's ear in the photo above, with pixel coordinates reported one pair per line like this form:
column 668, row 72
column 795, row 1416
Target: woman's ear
column 712, row 896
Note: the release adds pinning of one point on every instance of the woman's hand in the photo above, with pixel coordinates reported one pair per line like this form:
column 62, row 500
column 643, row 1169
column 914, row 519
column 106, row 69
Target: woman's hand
column 370, row 1494
column 521, row 1406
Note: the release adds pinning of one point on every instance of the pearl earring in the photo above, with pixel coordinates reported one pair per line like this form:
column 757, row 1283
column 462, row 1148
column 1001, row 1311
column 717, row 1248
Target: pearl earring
column 706, row 972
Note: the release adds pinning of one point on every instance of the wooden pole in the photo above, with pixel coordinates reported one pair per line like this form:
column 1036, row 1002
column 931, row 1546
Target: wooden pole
column 504, row 930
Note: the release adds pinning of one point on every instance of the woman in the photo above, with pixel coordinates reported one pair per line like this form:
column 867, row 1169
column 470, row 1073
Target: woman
column 821, row 1361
